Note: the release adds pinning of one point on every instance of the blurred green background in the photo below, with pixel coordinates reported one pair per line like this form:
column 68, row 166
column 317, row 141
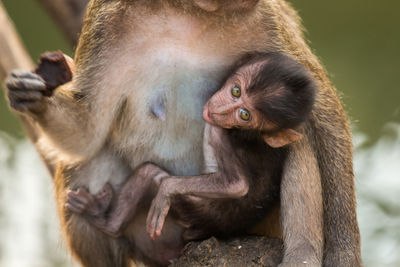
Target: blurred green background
column 358, row 42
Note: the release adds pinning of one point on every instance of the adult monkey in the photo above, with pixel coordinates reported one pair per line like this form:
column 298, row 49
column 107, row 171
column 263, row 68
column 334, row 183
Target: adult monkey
column 178, row 51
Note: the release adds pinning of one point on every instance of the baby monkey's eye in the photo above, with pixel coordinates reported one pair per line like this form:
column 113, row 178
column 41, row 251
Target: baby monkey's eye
column 244, row 114
column 236, row 92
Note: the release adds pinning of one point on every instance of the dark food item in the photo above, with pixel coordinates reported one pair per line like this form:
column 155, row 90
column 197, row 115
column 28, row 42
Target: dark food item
column 54, row 69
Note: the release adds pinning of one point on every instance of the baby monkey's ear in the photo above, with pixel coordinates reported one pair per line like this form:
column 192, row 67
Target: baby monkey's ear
column 282, row 138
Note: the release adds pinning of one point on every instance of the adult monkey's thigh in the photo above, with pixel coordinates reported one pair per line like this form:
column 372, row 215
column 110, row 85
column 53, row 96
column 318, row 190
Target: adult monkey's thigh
column 92, row 247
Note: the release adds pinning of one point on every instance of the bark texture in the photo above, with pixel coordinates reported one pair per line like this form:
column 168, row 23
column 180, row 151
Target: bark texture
column 68, row 14
column 246, row 251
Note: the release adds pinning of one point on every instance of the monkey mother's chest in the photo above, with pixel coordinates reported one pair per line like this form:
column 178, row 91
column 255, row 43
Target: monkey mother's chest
column 166, row 92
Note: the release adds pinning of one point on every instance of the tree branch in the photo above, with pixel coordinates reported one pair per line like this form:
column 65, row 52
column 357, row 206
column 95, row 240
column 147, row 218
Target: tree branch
column 68, row 14
column 13, row 53
column 14, row 56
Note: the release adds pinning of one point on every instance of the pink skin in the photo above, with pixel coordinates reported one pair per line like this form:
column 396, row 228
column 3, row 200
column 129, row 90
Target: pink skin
column 223, row 109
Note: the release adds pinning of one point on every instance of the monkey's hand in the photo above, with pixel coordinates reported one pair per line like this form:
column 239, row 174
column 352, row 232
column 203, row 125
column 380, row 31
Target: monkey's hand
column 82, row 202
column 26, row 92
column 159, row 210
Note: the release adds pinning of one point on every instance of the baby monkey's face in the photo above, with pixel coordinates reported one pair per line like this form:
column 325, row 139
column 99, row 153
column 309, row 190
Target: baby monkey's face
column 231, row 106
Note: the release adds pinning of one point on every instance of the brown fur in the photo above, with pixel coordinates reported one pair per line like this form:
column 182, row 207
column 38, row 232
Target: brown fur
column 114, row 52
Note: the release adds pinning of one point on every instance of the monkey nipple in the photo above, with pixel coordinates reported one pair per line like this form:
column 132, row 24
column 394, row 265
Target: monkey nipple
column 157, row 107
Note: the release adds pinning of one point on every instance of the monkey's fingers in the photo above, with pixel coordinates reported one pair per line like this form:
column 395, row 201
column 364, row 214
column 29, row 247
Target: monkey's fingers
column 84, row 195
column 107, row 190
column 161, row 220
column 152, row 219
column 106, row 194
column 78, row 197
column 104, row 197
column 25, row 106
column 149, row 228
column 25, row 80
column 24, row 96
column 156, row 220
column 75, row 206
column 86, row 204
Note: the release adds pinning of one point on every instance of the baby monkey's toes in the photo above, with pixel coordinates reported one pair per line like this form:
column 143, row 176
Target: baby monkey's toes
column 104, row 198
column 82, row 202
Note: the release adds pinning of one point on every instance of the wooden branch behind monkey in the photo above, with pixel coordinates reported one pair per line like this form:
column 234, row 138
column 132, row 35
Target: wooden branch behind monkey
column 134, row 56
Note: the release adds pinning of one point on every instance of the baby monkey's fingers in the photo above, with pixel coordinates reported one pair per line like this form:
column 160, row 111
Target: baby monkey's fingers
column 156, row 217
column 86, row 203
column 75, row 203
column 104, row 198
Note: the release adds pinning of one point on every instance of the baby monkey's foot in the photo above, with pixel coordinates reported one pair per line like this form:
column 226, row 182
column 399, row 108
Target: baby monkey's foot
column 82, row 202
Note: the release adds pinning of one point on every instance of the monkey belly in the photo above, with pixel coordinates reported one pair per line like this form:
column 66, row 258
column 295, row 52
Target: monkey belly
column 165, row 91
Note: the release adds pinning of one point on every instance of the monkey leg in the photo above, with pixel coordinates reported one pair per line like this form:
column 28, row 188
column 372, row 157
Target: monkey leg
column 89, row 246
column 94, row 208
column 133, row 193
column 127, row 217
column 211, row 186
column 82, row 202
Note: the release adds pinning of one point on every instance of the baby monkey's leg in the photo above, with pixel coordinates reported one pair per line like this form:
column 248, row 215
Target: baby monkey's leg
column 82, row 202
column 212, row 186
column 141, row 186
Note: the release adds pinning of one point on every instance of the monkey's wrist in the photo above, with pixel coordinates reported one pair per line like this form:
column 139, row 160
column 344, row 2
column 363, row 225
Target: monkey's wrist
column 168, row 186
column 39, row 111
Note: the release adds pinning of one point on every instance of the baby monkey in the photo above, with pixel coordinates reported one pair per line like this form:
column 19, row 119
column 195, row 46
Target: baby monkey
column 250, row 122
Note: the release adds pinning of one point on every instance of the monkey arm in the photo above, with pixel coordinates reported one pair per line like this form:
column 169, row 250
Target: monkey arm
column 71, row 129
column 301, row 207
column 214, row 185
column 78, row 129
